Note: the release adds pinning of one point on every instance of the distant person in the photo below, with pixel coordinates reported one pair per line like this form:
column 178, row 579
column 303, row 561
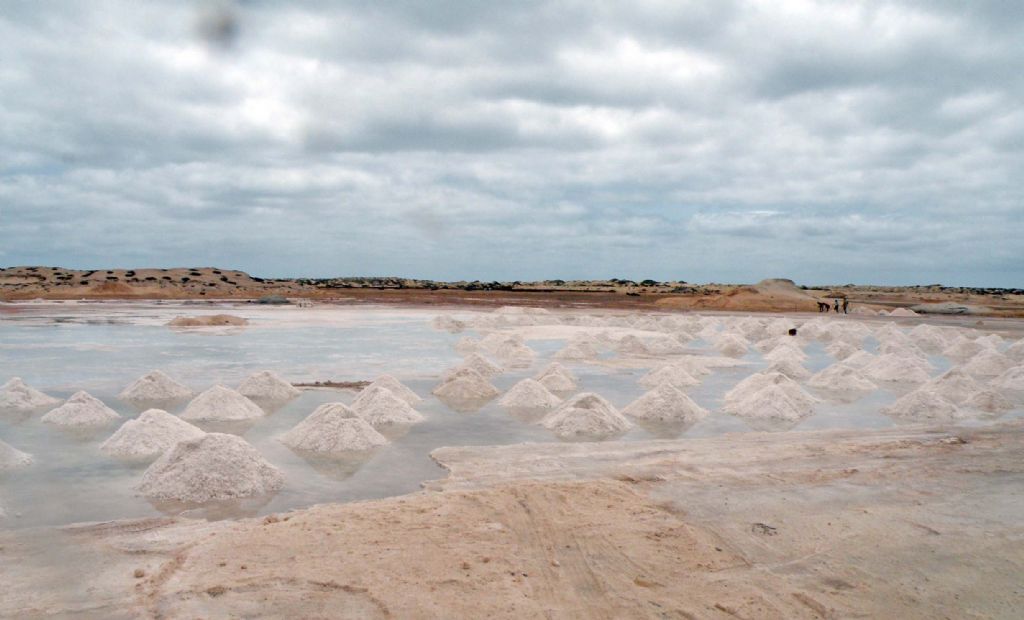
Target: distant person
column 846, row 305
column 822, row 306
column 837, row 305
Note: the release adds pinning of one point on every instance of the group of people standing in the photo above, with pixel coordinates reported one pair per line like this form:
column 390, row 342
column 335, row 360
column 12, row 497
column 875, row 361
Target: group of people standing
column 845, row 305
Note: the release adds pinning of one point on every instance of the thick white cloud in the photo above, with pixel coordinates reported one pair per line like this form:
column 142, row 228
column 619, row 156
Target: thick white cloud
column 826, row 141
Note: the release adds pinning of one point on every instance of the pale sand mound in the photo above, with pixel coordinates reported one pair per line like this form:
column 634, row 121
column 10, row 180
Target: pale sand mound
column 902, row 312
column 841, row 350
column 215, row 320
column 268, row 386
column 557, row 378
column 381, row 407
column 988, row 363
column 397, row 388
column 1012, row 379
column 786, row 352
column 841, row 378
column 16, row 395
column 735, row 399
column 670, row 374
column 333, row 428
column 215, row 466
column 665, row 403
column 485, row 367
column 149, row 435
column 860, row 359
column 771, row 404
column 515, row 354
column 586, row 415
column 897, row 369
column 789, row 367
column 924, row 405
column 466, row 345
column 155, row 386
column 221, row 404
column 81, row 410
column 466, row 385
column 954, row 385
column 12, row 458
column 988, row 401
column 529, row 394
column 732, row 345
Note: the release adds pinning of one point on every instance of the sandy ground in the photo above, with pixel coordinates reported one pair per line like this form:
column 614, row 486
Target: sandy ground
column 899, row 523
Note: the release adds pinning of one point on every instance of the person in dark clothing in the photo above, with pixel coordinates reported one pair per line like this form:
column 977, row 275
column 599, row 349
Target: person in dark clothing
column 846, row 305
column 837, row 305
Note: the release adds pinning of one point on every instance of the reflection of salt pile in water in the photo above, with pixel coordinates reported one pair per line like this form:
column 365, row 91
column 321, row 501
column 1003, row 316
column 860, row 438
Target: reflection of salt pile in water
column 466, row 385
column 221, row 404
column 397, row 388
column 529, row 394
column 987, row 363
column 1012, row 379
column 333, row 428
column 665, row 404
column 267, row 386
column 586, row 415
column 149, row 435
column 381, row 407
column 215, row 466
column 155, row 386
column 791, row 368
column 923, row 405
column 81, row 410
column 479, row 363
column 557, row 378
column 841, row 378
column 769, row 396
column 16, row 395
column 898, row 369
column 11, row 457
column 732, row 345
column 671, row 374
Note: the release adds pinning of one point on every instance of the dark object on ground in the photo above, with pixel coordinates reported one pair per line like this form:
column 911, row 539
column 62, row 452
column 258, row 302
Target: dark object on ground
column 822, row 306
column 339, row 385
column 792, row 331
column 763, row 529
column 276, row 300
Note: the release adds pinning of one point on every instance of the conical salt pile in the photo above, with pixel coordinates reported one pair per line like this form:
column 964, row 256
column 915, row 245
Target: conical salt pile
column 923, row 405
column 734, row 398
column 586, row 415
column 215, row 466
column 989, row 401
column 897, row 369
column 466, row 384
column 155, row 386
column 841, row 378
column 1015, row 351
column 529, row 394
column 333, row 428
column 16, row 395
column 381, row 407
column 1012, row 379
column 515, row 354
column 149, row 435
column 466, row 345
column 786, row 352
column 672, row 374
column 902, row 312
column 578, row 351
column 860, row 359
column 963, row 349
column 954, row 385
column 267, row 386
column 841, row 350
column 397, row 388
column 732, row 345
column 81, row 410
column 557, row 378
column 995, row 341
column 221, row 404
column 481, row 364
column 929, row 338
column 665, row 404
column 631, row 345
column 987, row 363
column 11, row 457
column 770, row 404
column 791, row 368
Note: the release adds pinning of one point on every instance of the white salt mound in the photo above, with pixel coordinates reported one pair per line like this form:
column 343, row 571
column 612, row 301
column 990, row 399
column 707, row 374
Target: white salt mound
column 333, row 428
column 397, row 388
column 791, row 368
column 897, row 369
column 155, row 386
column 557, row 378
column 841, row 350
column 466, row 385
column 631, row 345
column 268, row 386
column 1012, row 379
column 1015, row 351
column 467, row 344
column 215, row 466
column 736, row 397
column 954, row 385
column 860, row 359
column 81, row 410
column 529, row 394
column 988, row 363
column 902, row 312
column 670, row 374
column 515, row 353
column 586, row 415
column 665, row 403
column 578, row 351
column 16, row 395
column 149, row 435
column 989, row 401
column 221, row 404
column 482, row 365
column 11, row 457
column 841, row 378
column 732, row 345
column 381, row 407
column 963, row 349
column 771, row 403
column 924, row 405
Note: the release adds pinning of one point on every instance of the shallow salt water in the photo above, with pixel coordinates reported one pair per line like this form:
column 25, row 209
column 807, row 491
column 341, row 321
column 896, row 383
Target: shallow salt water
column 101, row 348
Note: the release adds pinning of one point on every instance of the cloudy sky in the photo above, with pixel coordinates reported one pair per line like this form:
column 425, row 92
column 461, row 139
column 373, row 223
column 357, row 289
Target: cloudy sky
column 829, row 142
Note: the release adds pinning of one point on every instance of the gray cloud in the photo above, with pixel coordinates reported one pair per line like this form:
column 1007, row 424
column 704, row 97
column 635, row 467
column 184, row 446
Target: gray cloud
column 830, row 142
